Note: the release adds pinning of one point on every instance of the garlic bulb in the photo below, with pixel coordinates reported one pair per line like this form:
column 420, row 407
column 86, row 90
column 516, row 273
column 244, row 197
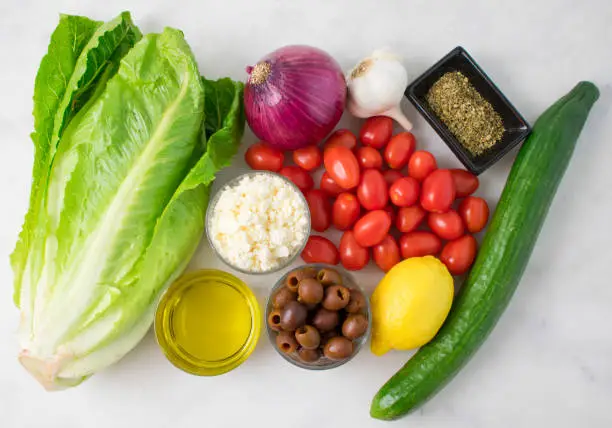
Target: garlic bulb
column 376, row 87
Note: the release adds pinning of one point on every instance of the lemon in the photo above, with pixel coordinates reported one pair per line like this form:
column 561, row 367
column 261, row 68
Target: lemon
column 410, row 304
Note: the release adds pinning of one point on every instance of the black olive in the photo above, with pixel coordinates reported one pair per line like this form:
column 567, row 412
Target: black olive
column 310, row 291
column 354, row 326
column 293, row 316
column 328, row 276
column 308, row 337
column 336, row 297
column 338, row 348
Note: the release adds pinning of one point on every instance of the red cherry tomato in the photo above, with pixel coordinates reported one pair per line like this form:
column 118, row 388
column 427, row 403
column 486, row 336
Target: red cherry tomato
column 372, row 191
column 399, row 150
column 369, row 158
column 341, row 137
column 386, row 254
column 421, row 164
column 352, row 255
column 345, row 211
column 404, row 192
column 320, row 250
column 475, row 213
column 466, row 183
column 409, row 218
column 298, row 176
column 372, row 228
column 329, row 186
column 446, row 225
column 308, row 158
column 391, row 176
column 376, row 131
column 320, row 209
column 438, row 191
column 260, row 156
column 342, row 166
column 419, row 244
column 458, row 255
column 391, row 211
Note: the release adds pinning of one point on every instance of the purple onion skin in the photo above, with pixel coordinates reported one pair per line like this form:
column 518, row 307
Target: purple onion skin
column 300, row 101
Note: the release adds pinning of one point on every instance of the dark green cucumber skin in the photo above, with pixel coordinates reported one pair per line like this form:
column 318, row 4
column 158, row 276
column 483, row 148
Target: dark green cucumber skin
column 504, row 254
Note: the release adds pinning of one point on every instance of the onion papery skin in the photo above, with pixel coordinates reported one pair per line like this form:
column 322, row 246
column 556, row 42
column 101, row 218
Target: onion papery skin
column 294, row 97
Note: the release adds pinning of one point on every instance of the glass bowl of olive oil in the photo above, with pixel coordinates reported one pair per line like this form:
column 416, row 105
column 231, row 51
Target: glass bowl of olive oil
column 207, row 322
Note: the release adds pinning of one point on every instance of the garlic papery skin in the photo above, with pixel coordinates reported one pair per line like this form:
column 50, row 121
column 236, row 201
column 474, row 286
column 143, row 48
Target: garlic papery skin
column 376, row 87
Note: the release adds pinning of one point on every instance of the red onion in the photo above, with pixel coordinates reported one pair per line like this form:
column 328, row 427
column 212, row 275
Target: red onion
column 294, row 97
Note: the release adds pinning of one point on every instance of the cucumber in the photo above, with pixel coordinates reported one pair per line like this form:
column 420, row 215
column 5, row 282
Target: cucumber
column 508, row 243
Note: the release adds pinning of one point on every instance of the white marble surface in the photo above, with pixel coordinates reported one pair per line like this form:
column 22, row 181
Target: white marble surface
column 548, row 362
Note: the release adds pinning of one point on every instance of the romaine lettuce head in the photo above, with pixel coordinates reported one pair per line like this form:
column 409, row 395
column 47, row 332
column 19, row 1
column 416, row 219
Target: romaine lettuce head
column 122, row 171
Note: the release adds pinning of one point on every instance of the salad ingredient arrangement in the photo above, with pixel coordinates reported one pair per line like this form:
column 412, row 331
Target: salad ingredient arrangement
column 258, row 222
column 317, row 317
column 376, row 88
column 505, row 252
column 207, row 322
column 410, row 304
column 278, row 108
column 126, row 124
column 470, row 117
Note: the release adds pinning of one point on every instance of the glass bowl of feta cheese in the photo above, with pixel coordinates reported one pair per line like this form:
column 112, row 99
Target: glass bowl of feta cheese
column 258, row 222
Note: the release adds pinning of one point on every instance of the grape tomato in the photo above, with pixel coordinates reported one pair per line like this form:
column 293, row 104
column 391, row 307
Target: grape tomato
column 341, row 137
column 345, row 211
column 298, row 176
column 404, row 192
column 320, row 250
column 320, row 209
column 399, row 150
column 410, row 218
column 342, row 166
column 372, row 228
column 459, row 255
column 376, row 131
column 386, row 254
column 369, row 157
column 475, row 213
column 466, row 183
column 352, row 255
column 329, row 186
column 391, row 176
column 372, row 191
column 438, row 191
column 421, row 164
column 308, row 158
column 260, row 156
column 419, row 244
column 446, row 225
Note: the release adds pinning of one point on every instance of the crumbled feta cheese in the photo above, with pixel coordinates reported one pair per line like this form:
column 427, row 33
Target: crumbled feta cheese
column 259, row 223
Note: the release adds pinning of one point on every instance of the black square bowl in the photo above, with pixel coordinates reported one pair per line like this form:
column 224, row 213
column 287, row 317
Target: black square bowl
column 516, row 127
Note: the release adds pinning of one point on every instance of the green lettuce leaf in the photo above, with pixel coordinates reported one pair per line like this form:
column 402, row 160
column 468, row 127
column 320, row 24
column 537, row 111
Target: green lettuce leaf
column 82, row 55
column 119, row 162
column 130, row 142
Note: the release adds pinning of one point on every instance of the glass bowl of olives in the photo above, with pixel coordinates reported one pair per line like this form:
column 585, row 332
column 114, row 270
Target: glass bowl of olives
column 317, row 317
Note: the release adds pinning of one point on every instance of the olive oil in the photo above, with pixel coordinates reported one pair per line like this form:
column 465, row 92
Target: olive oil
column 211, row 320
column 208, row 322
